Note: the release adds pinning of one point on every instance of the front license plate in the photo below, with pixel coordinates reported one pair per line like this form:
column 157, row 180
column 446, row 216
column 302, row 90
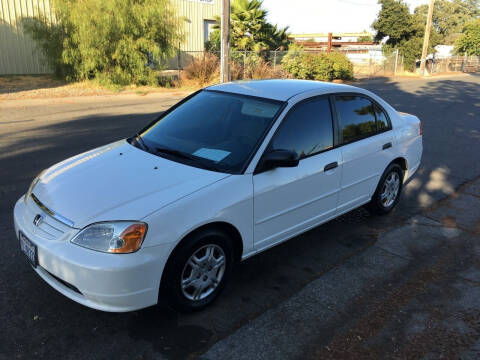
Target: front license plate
column 29, row 249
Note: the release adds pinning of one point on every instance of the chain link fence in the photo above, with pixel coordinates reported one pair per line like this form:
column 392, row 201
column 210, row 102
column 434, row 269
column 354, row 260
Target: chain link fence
column 185, row 58
column 469, row 64
column 367, row 62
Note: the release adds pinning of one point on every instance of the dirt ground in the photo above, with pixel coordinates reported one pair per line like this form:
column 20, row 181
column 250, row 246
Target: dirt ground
column 18, row 87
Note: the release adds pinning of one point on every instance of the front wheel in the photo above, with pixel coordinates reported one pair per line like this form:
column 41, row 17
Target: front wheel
column 388, row 190
column 198, row 271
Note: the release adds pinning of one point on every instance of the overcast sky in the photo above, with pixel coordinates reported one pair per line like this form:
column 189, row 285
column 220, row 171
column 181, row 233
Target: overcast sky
column 321, row 16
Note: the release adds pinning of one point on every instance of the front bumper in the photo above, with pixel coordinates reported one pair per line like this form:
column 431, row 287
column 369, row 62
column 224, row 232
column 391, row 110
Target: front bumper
column 107, row 282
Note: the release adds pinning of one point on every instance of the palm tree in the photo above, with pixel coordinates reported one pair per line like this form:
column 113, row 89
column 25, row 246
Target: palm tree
column 276, row 38
column 250, row 30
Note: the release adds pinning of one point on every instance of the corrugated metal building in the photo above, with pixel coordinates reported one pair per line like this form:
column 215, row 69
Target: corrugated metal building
column 198, row 16
column 18, row 53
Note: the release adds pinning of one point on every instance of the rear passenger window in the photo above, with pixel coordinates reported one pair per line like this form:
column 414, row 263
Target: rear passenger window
column 356, row 117
column 307, row 129
column 382, row 122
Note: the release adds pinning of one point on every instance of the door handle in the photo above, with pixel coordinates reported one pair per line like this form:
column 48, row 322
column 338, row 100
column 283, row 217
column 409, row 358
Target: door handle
column 330, row 166
column 387, row 146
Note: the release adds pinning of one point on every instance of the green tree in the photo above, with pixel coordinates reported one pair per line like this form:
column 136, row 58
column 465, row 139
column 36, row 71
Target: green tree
column 405, row 31
column 118, row 42
column 469, row 41
column 451, row 16
column 276, row 38
column 248, row 20
column 394, row 20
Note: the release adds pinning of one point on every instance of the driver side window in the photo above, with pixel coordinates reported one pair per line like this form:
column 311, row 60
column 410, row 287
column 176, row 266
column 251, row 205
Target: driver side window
column 306, row 130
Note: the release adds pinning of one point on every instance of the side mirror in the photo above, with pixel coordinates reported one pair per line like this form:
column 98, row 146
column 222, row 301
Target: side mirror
column 278, row 158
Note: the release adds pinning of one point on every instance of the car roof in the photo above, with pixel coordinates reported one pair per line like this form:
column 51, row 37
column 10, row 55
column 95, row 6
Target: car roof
column 279, row 89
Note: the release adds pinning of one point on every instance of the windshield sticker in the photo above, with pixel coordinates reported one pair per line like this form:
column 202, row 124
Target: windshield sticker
column 212, row 154
column 259, row 109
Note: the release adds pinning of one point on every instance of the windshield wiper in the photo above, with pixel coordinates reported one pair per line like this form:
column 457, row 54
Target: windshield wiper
column 139, row 140
column 174, row 152
column 183, row 155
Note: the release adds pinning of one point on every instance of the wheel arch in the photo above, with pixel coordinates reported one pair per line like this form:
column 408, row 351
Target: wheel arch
column 402, row 162
column 226, row 227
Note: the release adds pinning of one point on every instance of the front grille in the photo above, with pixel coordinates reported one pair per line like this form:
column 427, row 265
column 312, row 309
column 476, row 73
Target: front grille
column 64, row 283
column 48, row 228
column 53, row 214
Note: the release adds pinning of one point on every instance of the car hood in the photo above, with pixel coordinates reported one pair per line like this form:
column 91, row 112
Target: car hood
column 117, row 182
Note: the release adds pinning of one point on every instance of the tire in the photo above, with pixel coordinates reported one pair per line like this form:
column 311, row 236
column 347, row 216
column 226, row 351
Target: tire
column 387, row 194
column 195, row 274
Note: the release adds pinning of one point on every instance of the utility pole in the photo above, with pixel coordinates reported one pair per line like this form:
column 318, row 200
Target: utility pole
column 225, row 42
column 427, row 37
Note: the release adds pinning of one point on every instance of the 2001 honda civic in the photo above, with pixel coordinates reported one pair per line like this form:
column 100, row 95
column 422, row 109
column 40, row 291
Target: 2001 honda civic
column 226, row 173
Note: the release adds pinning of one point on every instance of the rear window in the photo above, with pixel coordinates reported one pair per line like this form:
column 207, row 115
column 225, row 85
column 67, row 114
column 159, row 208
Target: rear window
column 356, row 116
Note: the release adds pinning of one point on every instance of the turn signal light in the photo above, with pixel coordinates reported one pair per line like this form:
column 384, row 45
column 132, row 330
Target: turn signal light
column 130, row 239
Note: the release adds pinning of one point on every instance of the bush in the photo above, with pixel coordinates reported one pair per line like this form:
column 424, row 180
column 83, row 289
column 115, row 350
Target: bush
column 236, row 70
column 213, row 43
column 323, row 66
column 117, row 42
column 261, row 70
column 342, row 66
column 255, row 67
column 205, row 69
column 202, row 70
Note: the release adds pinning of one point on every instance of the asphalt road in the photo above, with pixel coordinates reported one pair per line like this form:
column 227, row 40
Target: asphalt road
column 37, row 322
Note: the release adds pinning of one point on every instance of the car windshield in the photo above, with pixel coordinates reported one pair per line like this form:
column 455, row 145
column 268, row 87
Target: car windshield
column 212, row 130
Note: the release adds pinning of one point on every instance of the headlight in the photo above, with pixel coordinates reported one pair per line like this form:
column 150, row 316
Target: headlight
column 32, row 185
column 112, row 237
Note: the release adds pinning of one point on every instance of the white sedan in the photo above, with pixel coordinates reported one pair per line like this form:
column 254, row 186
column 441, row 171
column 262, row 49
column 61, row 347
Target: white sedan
column 228, row 172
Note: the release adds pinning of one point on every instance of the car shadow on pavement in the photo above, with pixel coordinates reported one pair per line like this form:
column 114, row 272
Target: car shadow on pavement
column 41, row 323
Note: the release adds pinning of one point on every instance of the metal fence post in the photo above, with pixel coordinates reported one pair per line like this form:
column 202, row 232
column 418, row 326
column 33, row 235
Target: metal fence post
column 371, row 67
column 396, row 63
column 178, row 60
column 275, row 59
column 244, row 62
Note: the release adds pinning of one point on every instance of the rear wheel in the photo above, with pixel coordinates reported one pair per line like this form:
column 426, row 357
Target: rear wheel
column 388, row 190
column 198, row 271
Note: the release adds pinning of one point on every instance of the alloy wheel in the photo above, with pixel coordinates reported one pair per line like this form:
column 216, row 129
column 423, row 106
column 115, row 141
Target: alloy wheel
column 390, row 189
column 203, row 272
